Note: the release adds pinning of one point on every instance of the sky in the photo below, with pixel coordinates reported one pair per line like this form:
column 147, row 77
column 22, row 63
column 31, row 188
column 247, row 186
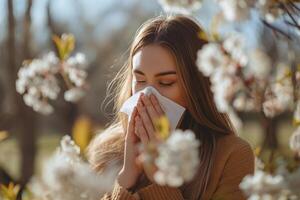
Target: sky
column 91, row 11
column 66, row 12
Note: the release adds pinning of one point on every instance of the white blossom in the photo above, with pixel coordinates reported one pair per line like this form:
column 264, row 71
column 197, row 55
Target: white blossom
column 77, row 76
column 279, row 95
column 272, row 107
column 283, row 87
column 38, row 80
column 235, row 44
column 180, row 6
column 223, row 87
column 78, row 61
column 43, row 107
column 66, row 176
column 262, row 183
column 234, row 10
column 221, row 67
column 221, row 94
column 259, row 64
column 269, row 9
column 259, row 165
column 75, row 69
column 210, row 58
column 243, row 103
column 177, row 159
column 74, row 94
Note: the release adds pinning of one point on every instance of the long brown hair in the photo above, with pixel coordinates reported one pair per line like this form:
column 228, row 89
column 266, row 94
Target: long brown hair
column 180, row 35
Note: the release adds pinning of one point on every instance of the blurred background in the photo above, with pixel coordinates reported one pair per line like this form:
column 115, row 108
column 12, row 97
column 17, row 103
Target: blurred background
column 103, row 32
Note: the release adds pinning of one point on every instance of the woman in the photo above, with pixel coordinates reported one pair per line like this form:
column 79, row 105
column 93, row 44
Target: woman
column 163, row 55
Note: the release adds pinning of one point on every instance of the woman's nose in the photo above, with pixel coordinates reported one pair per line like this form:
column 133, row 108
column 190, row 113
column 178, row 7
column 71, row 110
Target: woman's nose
column 151, row 85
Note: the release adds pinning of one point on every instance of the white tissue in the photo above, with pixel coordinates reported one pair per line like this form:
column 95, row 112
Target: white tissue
column 172, row 110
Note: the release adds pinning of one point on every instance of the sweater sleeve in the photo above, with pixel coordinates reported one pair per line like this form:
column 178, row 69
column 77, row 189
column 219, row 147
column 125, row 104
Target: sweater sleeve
column 158, row 192
column 239, row 164
column 118, row 193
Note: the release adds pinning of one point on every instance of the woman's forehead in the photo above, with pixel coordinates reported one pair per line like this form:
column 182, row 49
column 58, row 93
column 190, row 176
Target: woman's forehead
column 153, row 58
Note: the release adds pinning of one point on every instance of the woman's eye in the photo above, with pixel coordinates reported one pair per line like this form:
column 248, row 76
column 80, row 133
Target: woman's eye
column 166, row 84
column 140, row 81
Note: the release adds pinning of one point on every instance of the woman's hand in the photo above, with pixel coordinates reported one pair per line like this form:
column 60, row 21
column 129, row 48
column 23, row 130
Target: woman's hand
column 140, row 129
column 131, row 170
column 149, row 110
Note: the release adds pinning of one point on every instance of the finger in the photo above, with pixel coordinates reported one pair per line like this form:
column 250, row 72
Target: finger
column 152, row 114
column 150, row 107
column 146, row 119
column 156, row 105
column 140, row 130
column 131, row 124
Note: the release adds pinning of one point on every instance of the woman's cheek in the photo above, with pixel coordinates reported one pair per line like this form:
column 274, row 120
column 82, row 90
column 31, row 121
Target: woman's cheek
column 170, row 93
column 175, row 95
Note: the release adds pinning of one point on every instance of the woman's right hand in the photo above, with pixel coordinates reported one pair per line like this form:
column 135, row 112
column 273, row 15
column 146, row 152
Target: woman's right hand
column 131, row 170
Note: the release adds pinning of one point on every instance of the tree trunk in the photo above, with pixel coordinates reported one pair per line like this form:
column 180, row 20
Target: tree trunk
column 24, row 115
column 28, row 134
column 270, row 137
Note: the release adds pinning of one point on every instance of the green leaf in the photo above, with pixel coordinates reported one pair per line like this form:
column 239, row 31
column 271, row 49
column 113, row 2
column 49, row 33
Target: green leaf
column 64, row 44
column 9, row 192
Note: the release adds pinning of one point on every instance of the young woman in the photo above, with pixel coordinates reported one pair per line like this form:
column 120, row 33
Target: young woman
column 163, row 55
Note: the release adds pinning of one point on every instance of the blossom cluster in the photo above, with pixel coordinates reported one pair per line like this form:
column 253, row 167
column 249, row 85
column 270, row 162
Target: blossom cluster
column 263, row 185
column 176, row 159
column 66, row 176
column 233, row 74
column 238, row 10
column 231, row 10
column 38, row 80
column 180, row 6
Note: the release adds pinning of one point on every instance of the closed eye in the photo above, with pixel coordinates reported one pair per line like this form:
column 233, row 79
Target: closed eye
column 140, row 81
column 166, row 84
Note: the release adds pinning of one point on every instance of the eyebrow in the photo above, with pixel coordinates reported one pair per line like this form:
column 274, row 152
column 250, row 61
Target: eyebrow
column 156, row 75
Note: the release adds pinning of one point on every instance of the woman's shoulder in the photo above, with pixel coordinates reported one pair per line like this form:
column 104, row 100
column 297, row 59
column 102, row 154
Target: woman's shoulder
column 233, row 143
column 233, row 161
column 234, row 155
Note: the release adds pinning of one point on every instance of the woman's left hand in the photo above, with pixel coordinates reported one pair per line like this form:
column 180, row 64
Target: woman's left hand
column 149, row 110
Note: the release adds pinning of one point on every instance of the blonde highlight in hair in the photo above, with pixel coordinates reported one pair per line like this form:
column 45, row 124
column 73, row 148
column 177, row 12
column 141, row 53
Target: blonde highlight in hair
column 178, row 34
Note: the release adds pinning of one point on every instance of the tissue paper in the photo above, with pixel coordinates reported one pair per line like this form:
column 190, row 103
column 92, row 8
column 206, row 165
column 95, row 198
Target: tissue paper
column 172, row 110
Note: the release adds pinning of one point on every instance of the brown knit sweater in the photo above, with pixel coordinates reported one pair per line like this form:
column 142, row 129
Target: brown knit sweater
column 234, row 159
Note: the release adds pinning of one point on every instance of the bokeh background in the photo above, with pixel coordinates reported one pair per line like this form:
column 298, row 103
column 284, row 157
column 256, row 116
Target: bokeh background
column 103, row 32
